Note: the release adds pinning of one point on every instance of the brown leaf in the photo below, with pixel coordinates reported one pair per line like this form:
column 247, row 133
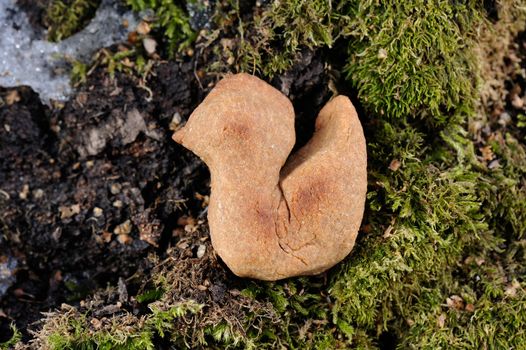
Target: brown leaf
column 487, row 153
column 12, row 97
column 517, row 101
column 124, row 239
column 455, row 302
column 143, row 28
column 395, row 165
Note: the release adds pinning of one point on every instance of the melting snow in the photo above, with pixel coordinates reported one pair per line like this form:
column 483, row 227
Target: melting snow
column 26, row 59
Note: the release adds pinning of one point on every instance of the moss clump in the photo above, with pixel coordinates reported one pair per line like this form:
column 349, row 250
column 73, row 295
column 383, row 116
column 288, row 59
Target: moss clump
column 483, row 306
column 15, row 338
column 506, row 200
column 494, row 324
column 406, row 59
column 71, row 329
column 66, row 17
column 274, row 38
column 170, row 20
column 413, row 57
column 421, row 217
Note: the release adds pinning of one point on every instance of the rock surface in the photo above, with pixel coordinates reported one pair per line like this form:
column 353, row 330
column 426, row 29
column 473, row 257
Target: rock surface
column 272, row 216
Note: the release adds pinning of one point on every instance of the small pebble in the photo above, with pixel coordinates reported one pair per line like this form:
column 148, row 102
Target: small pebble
column 149, row 45
column 25, row 191
column 124, row 228
column 517, row 102
column 12, row 97
column 97, row 212
column 82, row 98
column 57, row 234
column 125, row 239
column 115, row 188
column 143, row 28
column 494, row 164
column 106, row 236
column 38, row 193
column 96, row 323
column 67, row 212
column 176, row 121
column 201, row 250
column 504, row 118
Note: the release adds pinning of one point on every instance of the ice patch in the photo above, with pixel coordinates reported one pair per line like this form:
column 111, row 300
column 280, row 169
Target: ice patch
column 28, row 60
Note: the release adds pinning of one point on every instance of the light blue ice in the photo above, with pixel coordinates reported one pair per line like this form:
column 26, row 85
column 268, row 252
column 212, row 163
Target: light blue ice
column 27, row 59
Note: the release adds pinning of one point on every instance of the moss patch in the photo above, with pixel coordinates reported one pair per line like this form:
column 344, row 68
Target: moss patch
column 170, row 19
column 410, row 59
column 15, row 338
column 66, row 17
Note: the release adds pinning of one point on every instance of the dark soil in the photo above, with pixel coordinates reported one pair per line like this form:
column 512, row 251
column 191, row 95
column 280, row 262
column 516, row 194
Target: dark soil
column 64, row 246
column 74, row 176
column 35, row 11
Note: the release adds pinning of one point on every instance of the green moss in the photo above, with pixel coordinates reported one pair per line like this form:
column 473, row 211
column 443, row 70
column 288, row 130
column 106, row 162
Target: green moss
column 507, row 198
column 171, row 21
column 66, row 17
column 495, row 324
column 79, row 72
column 407, row 59
column 421, row 218
column 15, row 338
column 71, row 329
column 274, row 38
column 150, row 295
column 412, row 57
column 489, row 280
